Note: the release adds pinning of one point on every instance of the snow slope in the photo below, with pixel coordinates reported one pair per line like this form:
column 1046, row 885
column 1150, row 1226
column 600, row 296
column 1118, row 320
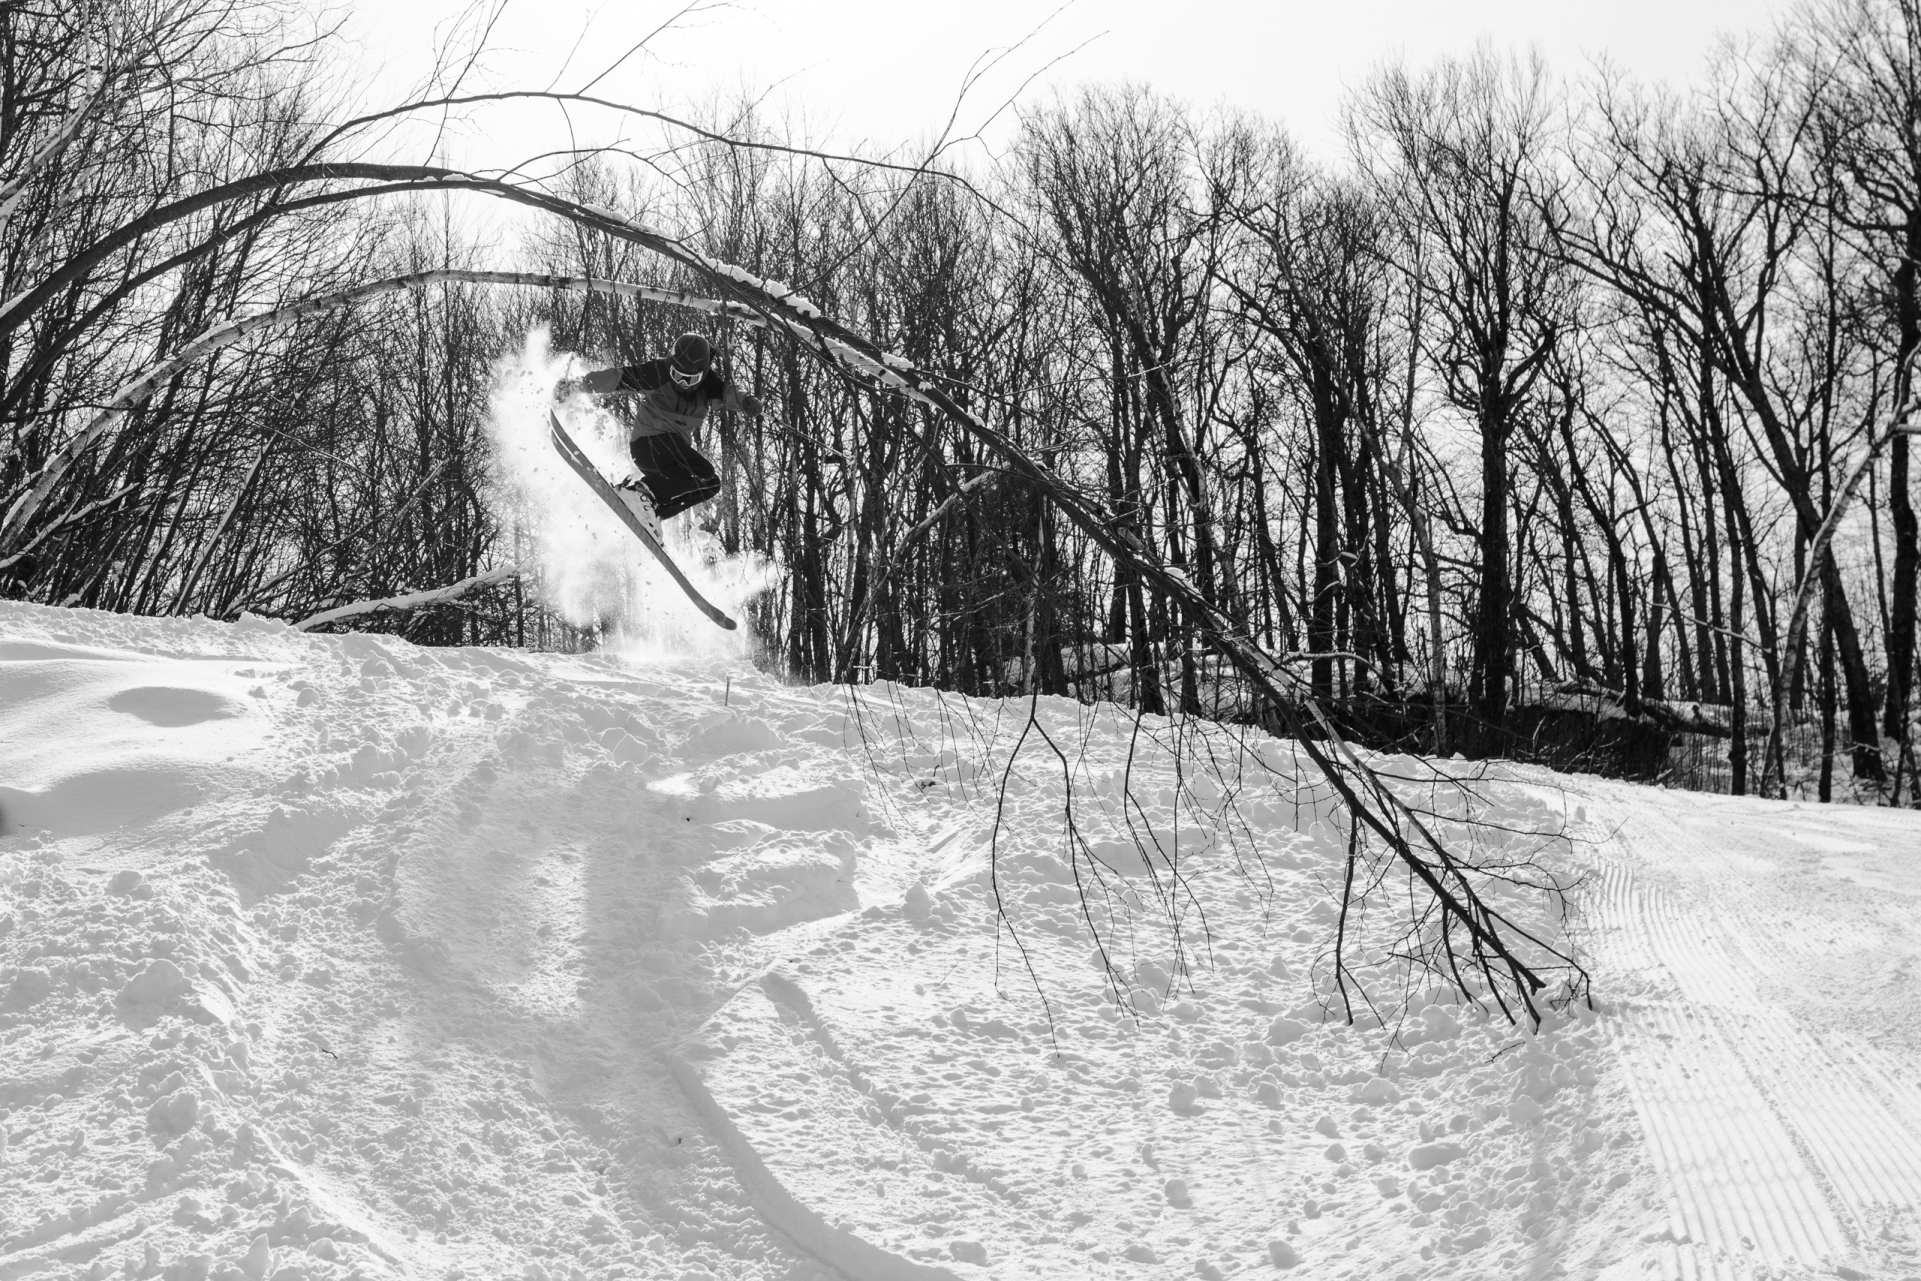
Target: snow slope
column 1774, row 1050
column 332, row 956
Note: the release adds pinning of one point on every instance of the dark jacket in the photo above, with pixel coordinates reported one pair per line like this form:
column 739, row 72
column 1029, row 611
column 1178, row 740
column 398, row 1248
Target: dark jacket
column 662, row 406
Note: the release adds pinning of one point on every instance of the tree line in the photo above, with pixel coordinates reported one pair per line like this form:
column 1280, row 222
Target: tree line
column 1550, row 389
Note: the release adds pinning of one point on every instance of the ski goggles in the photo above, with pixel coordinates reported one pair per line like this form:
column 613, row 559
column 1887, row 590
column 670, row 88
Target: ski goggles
column 686, row 381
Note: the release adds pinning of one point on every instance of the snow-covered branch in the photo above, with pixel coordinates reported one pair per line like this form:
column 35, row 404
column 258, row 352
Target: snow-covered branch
column 65, row 520
column 1489, row 942
column 411, row 600
column 16, row 187
column 1712, row 720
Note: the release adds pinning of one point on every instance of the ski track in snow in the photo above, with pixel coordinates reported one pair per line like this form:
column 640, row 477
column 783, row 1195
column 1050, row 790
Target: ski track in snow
column 1772, row 1057
column 329, row 957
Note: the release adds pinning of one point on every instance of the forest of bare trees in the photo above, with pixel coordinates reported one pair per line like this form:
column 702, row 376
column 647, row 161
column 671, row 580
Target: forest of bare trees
column 1560, row 394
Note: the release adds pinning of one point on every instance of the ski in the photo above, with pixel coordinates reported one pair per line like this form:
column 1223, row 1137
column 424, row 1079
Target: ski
column 579, row 461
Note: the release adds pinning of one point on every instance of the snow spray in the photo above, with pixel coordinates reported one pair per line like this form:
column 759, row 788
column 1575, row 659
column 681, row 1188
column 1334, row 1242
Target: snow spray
column 590, row 569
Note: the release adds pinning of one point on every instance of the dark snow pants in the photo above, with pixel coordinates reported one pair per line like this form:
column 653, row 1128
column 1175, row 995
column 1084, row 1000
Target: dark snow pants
column 677, row 474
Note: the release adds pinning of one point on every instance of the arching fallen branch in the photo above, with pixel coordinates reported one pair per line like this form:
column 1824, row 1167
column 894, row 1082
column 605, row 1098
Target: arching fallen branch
column 1494, row 944
column 1492, row 938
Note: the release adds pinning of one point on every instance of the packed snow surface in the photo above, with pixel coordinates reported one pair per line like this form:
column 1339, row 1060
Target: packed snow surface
column 330, row 956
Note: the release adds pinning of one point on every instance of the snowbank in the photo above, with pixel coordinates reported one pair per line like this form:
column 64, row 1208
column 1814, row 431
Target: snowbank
column 331, row 956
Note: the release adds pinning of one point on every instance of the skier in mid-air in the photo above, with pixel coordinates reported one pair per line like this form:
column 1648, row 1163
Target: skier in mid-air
column 675, row 392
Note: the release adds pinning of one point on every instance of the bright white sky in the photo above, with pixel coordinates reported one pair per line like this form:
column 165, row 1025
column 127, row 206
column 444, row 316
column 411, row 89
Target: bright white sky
column 886, row 74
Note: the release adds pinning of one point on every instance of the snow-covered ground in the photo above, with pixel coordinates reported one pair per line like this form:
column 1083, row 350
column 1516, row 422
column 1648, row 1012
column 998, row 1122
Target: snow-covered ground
column 332, row 956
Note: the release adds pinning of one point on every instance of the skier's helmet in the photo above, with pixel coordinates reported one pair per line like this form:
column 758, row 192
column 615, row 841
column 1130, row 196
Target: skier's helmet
column 692, row 355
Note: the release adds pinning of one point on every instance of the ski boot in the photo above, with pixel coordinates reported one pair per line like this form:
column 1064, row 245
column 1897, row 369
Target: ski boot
column 634, row 492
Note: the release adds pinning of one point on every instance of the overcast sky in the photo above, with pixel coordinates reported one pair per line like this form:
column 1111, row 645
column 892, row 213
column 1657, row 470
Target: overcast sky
column 887, row 74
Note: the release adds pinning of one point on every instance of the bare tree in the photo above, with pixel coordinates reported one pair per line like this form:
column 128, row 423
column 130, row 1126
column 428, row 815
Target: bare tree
column 1457, row 155
column 1866, row 68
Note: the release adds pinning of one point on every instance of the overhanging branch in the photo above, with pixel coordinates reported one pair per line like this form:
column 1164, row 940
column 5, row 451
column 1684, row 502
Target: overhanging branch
column 1494, row 942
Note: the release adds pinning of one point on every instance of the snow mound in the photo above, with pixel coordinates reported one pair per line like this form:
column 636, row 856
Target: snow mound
column 100, row 737
column 330, row 957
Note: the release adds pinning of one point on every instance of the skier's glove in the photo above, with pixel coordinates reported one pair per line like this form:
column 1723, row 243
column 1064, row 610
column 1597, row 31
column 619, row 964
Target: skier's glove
column 750, row 405
column 565, row 388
